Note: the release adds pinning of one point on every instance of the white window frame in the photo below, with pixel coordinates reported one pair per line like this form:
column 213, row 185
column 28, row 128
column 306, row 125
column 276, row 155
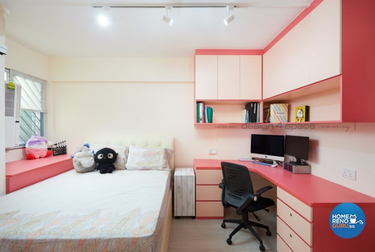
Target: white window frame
column 34, row 93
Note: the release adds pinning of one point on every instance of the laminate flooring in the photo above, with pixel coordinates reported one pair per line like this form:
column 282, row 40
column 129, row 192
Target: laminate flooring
column 194, row 235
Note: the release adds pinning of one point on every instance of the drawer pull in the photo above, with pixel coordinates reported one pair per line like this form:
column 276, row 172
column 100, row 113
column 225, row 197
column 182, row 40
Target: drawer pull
column 290, row 214
column 290, row 235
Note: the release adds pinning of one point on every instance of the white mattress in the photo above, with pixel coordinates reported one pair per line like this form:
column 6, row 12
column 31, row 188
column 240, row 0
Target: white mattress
column 122, row 211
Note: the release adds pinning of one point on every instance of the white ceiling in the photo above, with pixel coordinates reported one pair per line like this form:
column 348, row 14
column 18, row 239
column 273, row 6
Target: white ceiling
column 70, row 27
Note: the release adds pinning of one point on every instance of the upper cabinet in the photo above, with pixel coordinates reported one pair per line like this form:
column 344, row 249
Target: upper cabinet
column 206, row 77
column 308, row 53
column 325, row 41
column 228, row 77
column 326, row 61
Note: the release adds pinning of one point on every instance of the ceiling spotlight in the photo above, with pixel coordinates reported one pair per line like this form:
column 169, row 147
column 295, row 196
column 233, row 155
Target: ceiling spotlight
column 165, row 18
column 103, row 19
column 230, row 16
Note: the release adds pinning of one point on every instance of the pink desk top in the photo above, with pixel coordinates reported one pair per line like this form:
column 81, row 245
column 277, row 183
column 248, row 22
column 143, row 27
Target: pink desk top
column 21, row 166
column 310, row 189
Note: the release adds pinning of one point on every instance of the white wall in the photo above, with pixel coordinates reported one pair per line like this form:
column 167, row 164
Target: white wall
column 2, row 101
column 109, row 96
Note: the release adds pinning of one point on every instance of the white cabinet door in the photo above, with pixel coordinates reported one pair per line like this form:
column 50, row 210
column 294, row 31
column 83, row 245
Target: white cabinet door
column 250, row 77
column 325, row 41
column 205, row 77
column 228, row 77
column 286, row 64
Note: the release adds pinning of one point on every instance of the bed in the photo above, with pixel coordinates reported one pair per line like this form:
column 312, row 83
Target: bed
column 122, row 211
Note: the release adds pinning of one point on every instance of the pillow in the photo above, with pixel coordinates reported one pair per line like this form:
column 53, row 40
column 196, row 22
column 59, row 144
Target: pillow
column 141, row 158
column 122, row 153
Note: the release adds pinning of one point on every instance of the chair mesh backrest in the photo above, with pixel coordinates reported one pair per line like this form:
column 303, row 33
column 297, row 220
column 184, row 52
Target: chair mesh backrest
column 237, row 183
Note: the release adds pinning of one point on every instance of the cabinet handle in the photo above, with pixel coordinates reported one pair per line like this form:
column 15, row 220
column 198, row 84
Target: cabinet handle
column 290, row 235
column 290, row 214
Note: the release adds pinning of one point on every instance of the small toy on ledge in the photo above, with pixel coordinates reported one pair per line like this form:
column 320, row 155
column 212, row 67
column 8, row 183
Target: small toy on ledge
column 105, row 158
column 36, row 147
column 83, row 159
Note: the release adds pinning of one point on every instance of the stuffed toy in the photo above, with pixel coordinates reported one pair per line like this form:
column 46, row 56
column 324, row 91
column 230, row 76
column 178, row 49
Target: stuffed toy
column 105, row 158
column 83, row 159
column 36, row 147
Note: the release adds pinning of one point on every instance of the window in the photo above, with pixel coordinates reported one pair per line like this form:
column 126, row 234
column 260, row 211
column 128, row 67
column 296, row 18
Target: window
column 32, row 105
column 6, row 74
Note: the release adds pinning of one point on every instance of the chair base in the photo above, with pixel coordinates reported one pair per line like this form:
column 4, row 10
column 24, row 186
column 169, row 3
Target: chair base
column 245, row 223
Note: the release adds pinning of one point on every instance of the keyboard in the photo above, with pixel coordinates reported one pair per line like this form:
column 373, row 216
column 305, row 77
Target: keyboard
column 261, row 163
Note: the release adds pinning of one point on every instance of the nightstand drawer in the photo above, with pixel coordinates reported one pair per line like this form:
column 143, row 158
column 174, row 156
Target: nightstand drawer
column 208, row 177
column 281, row 245
column 302, row 227
column 207, row 192
column 300, row 207
column 209, row 209
column 291, row 238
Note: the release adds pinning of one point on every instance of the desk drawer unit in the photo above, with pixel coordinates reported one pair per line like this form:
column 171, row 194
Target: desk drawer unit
column 208, row 193
column 294, row 222
column 281, row 245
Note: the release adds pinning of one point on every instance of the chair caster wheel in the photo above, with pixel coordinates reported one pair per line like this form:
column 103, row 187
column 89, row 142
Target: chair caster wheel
column 229, row 241
column 268, row 233
column 262, row 248
column 223, row 225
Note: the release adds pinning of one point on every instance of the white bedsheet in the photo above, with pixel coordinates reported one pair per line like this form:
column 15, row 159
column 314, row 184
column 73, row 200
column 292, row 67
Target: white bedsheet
column 122, row 211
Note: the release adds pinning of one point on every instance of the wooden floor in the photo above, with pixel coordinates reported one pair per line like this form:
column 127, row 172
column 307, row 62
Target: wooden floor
column 192, row 235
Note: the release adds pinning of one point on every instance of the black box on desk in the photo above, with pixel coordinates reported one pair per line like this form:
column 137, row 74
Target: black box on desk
column 297, row 168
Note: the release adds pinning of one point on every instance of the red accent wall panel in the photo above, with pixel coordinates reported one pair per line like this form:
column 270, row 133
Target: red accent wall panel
column 358, row 60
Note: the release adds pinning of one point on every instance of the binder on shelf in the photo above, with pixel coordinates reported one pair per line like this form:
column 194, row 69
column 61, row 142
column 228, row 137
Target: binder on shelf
column 253, row 109
column 279, row 113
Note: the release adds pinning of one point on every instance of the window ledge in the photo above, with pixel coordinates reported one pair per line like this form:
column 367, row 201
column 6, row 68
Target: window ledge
column 14, row 148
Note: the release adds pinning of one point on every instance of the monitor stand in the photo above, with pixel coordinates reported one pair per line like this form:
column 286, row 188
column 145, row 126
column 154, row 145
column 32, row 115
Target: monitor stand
column 267, row 161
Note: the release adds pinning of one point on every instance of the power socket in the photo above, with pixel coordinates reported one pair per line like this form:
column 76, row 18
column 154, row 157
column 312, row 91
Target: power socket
column 212, row 151
column 348, row 173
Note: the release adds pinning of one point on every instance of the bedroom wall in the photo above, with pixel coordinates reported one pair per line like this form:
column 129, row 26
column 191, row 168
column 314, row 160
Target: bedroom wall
column 112, row 96
column 144, row 96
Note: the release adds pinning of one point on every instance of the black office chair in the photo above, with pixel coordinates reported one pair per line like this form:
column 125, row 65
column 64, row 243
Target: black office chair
column 238, row 193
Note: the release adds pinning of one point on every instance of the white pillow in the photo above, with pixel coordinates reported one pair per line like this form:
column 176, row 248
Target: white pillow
column 141, row 158
column 122, row 153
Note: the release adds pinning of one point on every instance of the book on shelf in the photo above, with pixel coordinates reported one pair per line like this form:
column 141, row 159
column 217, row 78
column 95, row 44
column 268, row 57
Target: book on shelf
column 266, row 115
column 279, row 113
column 302, row 114
column 203, row 113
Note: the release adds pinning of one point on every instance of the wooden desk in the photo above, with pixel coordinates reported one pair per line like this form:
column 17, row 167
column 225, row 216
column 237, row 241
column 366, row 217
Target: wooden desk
column 311, row 200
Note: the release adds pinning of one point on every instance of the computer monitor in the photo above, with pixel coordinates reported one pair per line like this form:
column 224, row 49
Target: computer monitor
column 268, row 147
column 298, row 147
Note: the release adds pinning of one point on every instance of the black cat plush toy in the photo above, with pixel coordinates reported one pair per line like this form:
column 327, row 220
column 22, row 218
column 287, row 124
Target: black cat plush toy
column 105, row 158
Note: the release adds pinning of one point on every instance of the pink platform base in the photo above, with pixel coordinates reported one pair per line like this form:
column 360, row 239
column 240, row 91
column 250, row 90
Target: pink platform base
column 22, row 173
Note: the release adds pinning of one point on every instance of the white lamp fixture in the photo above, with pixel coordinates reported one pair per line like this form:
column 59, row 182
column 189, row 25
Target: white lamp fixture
column 103, row 19
column 230, row 16
column 165, row 18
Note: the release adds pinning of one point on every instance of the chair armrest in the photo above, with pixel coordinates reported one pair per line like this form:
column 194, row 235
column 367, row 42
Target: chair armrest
column 221, row 185
column 262, row 190
column 250, row 198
